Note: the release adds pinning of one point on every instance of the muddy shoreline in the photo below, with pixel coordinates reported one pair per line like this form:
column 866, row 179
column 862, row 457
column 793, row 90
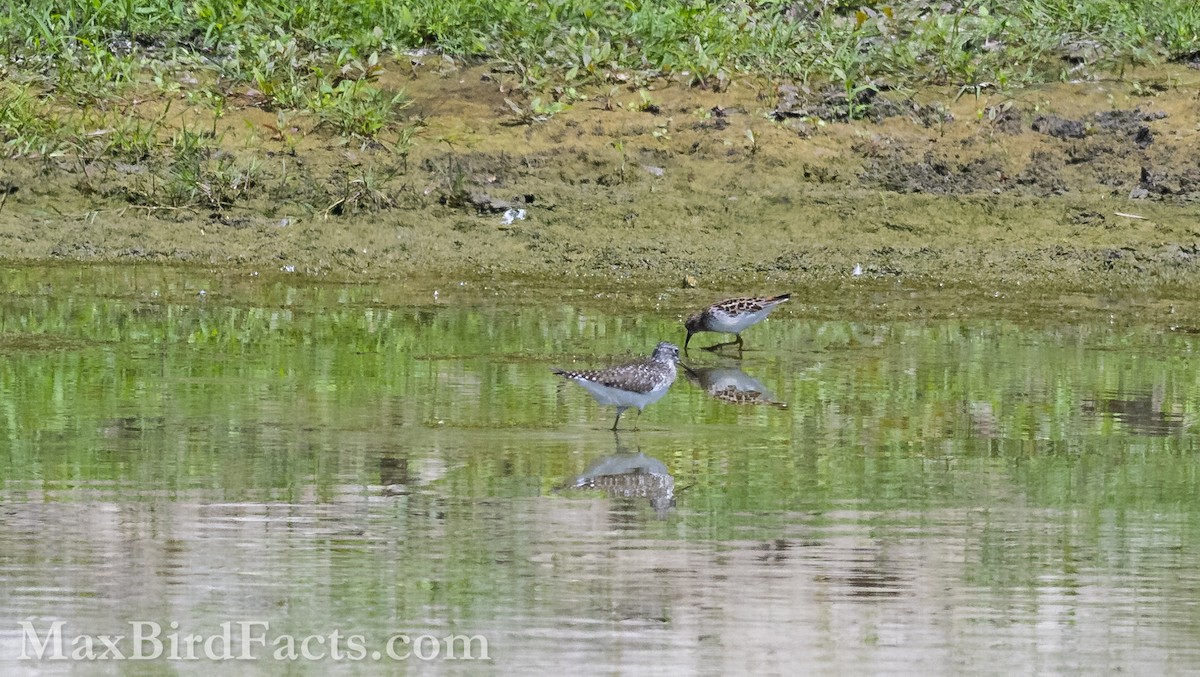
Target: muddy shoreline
column 1069, row 187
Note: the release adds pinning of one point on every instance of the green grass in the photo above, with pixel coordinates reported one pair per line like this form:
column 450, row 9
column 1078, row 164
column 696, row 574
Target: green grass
column 958, row 43
column 69, row 69
column 89, row 49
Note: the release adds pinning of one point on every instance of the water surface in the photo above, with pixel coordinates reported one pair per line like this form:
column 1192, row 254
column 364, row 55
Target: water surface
column 904, row 496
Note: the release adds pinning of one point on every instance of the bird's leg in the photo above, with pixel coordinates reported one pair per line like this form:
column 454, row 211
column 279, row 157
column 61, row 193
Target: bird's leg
column 620, row 410
column 635, row 420
column 718, row 346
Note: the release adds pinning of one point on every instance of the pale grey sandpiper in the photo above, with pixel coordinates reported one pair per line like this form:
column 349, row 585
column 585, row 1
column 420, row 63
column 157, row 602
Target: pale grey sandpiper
column 731, row 316
column 635, row 384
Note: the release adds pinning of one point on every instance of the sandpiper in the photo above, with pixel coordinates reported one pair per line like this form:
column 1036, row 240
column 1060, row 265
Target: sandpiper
column 636, row 384
column 626, row 475
column 731, row 316
column 732, row 385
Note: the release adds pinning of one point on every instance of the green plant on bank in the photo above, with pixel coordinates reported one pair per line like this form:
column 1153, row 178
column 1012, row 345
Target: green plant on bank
column 544, row 110
column 27, row 127
column 645, row 103
column 752, row 146
column 285, row 132
column 356, row 108
column 842, row 58
column 278, row 71
column 537, row 111
column 186, row 183
column 362, row 193
column 619, row 146
column 195, row 175
column 212, row 100
column 456, row 186
column 405, row 142
column 1176, row 31
column 123, row 137
column 351, row 106
column 217, row 21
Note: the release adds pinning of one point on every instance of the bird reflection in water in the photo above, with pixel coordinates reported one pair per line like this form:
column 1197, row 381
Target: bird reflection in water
column 732, row 385
column 131, row 426
column 394, row 477
column 1146, row 412
column 628, row 475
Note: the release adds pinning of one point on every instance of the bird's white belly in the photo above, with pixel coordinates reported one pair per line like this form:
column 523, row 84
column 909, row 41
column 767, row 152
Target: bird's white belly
column 623, row 398
column 735, row 324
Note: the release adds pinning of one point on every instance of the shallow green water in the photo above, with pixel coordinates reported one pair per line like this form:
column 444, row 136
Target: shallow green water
column 937, row 497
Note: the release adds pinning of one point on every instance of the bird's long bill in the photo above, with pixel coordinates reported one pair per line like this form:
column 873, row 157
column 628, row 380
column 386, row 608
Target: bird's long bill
column 685, row 341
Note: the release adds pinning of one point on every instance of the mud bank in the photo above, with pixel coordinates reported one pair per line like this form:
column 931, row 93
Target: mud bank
column 1082, row 186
